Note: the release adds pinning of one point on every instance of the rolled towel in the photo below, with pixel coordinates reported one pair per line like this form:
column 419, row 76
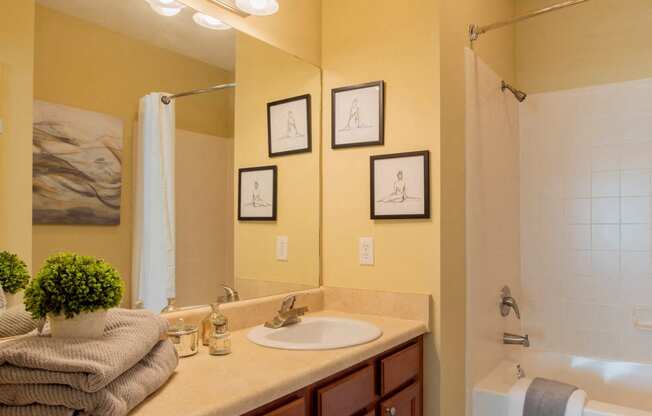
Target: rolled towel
column 16, row 321
column 88, row 365
column 117, row 399
column 542, row 397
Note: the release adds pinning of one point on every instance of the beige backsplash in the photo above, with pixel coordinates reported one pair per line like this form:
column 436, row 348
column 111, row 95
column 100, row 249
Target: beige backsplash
column 249, row 313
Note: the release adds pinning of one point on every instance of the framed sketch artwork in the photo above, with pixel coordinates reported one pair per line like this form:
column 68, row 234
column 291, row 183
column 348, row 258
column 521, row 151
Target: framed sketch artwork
column 358, row 115
column 400, row 185
column 289, row 126
column 257, row 191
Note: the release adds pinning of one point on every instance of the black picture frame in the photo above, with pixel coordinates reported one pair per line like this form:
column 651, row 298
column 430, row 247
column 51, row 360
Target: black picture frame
column 426, row 184
column 308, row 149
column 381, row 115
column 243, row 171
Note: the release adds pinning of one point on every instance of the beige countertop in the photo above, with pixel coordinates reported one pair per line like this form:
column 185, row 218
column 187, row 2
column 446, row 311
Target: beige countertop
column 253, row 376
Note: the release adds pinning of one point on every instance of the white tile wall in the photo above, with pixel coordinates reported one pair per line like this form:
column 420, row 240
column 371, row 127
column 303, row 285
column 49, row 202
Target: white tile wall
column 586, row 186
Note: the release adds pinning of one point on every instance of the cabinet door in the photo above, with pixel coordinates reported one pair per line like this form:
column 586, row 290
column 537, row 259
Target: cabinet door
column 296, row 408
column 399, row 368
column 348, row 396
column 403, row 403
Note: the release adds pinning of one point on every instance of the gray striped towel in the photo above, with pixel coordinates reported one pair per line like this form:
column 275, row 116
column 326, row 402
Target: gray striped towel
column 117, row 399
column 16, row 321
column 83, row 364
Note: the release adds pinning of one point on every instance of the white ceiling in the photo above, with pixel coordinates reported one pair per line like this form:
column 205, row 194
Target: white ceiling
column 136, row 19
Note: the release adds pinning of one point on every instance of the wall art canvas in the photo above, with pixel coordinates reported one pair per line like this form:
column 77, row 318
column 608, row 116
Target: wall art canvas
column 257, row 194
column 289, row 126
column 358, row 115
column 400, row 186
column 77, row 171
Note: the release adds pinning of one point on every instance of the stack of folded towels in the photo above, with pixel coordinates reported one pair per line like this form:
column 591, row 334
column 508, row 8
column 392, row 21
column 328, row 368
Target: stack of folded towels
column 41, row 375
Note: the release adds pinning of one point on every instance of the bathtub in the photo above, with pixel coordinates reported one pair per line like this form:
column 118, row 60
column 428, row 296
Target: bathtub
column 614, row 388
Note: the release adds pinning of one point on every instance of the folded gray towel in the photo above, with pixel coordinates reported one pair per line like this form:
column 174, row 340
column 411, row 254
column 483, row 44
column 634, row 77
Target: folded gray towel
column 34, row 410
column 86, row 365
column 547, row 398
column 117, row 399
column 16, row 321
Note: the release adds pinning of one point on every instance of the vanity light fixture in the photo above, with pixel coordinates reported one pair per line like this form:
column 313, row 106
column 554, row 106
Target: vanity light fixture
column 209, row 22
column 166, row 8
column 258, row 7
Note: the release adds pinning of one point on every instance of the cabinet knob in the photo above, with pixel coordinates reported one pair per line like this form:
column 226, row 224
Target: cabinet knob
column 390, row 411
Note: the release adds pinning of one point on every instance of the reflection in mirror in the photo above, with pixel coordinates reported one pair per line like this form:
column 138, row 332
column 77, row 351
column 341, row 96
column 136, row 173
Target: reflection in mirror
column 101, row 131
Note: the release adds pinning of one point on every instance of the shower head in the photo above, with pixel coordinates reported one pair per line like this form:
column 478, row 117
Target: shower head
column 520, row 95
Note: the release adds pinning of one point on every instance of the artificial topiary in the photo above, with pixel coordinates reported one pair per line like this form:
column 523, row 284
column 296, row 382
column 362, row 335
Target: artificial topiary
column 13, row 273
column 69, row 284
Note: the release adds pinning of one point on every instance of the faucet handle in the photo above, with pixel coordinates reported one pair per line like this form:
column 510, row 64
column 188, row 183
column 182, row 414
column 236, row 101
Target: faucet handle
column 507, row 302
column 232, row 294
column 288, row 303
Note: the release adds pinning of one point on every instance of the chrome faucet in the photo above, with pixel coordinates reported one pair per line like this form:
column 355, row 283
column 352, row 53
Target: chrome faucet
column 512, row 339
column 508, row 302
column 230, row 295
column 288, row 314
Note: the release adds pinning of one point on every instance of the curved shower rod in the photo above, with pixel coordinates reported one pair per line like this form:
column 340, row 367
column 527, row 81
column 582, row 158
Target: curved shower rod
column 475, row 30
column 167, row 99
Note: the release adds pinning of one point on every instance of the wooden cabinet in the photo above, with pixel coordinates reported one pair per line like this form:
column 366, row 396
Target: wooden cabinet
column 295, row 408
column 349, row 394
column 404, row 403
column 399, row 368
column 389, row 384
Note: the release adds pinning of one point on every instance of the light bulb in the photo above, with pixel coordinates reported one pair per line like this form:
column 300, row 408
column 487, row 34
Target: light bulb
column 258, row 4
column 166, row 8
column 209, row 22
column 258, row 7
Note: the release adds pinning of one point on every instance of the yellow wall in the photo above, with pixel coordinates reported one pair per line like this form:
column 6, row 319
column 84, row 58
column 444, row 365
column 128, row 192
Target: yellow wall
column 296, row 28
column 424, row 71
column 368, row 41
column 264, row 74
column 16, row 73
column 85, row 66
column 497, row 49
column 597, row 42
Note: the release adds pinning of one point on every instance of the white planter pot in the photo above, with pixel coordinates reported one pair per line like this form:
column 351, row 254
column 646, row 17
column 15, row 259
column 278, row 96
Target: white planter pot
column 84, row 325
column 14, row 300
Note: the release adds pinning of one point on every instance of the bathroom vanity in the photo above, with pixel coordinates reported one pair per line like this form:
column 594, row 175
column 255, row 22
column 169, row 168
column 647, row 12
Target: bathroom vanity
column 383, row 377
column 385, row 385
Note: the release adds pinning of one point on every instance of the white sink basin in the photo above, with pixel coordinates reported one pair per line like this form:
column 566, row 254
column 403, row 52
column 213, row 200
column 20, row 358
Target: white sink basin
column 316, row 333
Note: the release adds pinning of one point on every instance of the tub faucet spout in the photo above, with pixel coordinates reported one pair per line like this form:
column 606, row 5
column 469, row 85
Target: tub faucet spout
column 512, row 339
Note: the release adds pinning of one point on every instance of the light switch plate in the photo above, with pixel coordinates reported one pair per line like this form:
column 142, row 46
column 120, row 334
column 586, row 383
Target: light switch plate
column 282, row 248
column 366, row 251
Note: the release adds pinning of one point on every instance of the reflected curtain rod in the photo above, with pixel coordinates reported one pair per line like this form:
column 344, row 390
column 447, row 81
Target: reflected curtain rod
column 475, row 31
column 167, row 99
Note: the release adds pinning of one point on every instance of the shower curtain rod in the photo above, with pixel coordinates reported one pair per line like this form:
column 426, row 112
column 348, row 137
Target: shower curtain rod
column 167, row 99
column 475, row 31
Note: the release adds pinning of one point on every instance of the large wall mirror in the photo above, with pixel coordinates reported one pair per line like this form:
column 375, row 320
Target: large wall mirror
column 243, row 172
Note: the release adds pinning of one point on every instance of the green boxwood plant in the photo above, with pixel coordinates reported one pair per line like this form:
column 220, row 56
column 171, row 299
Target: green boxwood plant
column 70, row 284
column 13, row 273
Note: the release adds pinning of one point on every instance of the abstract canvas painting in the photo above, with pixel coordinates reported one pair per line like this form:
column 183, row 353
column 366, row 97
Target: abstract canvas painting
column 77, row 173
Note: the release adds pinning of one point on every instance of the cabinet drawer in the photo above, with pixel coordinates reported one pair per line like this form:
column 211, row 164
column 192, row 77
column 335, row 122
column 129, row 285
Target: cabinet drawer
column 399, row 368
column 296, row 408
column 348, row 395
column 403, row 403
